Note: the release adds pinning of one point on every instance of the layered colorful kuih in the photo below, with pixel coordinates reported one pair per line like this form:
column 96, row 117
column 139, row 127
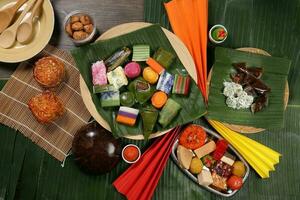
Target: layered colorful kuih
column 189, row 21
column 141, row 52
column 181, row 84
column 127, row 115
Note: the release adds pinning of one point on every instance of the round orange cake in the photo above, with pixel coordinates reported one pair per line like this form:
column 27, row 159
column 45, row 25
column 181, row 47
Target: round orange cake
column 46, row 107
column 49, row 71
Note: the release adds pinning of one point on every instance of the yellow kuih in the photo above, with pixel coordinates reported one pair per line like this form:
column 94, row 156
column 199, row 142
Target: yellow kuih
column 150, row 75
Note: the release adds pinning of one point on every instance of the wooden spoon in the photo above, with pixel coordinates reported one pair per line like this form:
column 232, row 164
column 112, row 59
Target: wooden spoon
column 25, row 30
column 8, row 14
column 8, row 37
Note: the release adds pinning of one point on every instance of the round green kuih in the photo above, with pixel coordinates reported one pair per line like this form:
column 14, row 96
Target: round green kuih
column 127, row 99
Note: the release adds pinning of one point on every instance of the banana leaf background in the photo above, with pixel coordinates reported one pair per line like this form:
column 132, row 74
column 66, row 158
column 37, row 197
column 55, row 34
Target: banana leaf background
column 192, row 105
column 275, row 76
column 27, row 172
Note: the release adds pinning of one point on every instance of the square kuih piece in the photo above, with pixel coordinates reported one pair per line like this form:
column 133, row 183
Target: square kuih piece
column 164, row 57
column 110, row 99
column 127, row 115
column 117, row 77
column 181, row 84
column 165, row 82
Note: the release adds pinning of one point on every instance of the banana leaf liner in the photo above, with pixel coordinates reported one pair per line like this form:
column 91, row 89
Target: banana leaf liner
column 275, row 75
column 192, row 105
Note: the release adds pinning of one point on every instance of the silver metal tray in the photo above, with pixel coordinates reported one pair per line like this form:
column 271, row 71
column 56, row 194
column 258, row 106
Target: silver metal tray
column 194, row 178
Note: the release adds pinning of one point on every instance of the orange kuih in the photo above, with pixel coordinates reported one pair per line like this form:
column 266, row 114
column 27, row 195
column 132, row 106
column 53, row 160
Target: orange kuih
column 155, row 65
column 159, row 99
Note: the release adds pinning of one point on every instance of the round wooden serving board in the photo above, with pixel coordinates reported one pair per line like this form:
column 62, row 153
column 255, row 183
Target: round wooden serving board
column 249, row 129
column 122, row 29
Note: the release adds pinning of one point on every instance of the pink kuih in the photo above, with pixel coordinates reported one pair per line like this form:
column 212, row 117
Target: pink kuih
column 132, row 70
column 99, row 73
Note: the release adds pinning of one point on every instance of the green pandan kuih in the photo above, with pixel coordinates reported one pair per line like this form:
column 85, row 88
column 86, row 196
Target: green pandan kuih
column 149, row 116
column 164, row 57
column 169, row 112
column 143, row 91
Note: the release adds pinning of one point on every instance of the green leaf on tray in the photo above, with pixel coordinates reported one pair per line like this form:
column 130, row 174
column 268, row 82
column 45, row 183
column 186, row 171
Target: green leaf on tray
column 275, row 76
column 192, row 106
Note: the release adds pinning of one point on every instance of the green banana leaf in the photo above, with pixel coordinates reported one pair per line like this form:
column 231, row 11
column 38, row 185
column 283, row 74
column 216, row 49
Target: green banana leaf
column 30, row 171
column 272, row 25
column 275, row 76
column 192, row 106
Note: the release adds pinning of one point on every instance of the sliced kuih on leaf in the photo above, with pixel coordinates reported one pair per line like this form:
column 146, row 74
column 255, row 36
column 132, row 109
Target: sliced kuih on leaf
column 113, row 51
column 245, row 68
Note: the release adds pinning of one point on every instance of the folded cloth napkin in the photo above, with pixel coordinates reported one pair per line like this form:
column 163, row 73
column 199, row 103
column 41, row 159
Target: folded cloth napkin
column 140, row 179
column 189, row 21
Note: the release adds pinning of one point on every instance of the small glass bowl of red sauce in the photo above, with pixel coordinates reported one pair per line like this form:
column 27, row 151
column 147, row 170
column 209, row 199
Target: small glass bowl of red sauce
column 131, row 153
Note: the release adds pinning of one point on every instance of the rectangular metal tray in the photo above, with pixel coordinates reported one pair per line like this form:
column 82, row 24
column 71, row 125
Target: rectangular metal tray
column 194, row 178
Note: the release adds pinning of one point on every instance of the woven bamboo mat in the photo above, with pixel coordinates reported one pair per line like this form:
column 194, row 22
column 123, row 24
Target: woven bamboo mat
column 56, row 137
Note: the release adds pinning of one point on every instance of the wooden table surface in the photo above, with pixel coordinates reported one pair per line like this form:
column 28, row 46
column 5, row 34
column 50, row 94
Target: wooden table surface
column 107, row 13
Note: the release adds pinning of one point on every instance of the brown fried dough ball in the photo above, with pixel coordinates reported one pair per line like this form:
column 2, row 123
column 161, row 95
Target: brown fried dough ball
column 88, row 28
column 80, row 35
column 77, row 26
column 85, row 20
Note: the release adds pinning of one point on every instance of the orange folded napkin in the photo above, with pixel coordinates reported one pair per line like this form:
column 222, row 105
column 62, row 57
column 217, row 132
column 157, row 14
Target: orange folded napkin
column 141, row 178
column 189, row 21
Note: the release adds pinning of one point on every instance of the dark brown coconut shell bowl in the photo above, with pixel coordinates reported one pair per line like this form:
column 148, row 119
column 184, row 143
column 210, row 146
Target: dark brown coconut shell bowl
column 96, row 151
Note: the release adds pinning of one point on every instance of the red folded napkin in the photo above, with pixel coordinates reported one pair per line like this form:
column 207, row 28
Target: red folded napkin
column 140, row 179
